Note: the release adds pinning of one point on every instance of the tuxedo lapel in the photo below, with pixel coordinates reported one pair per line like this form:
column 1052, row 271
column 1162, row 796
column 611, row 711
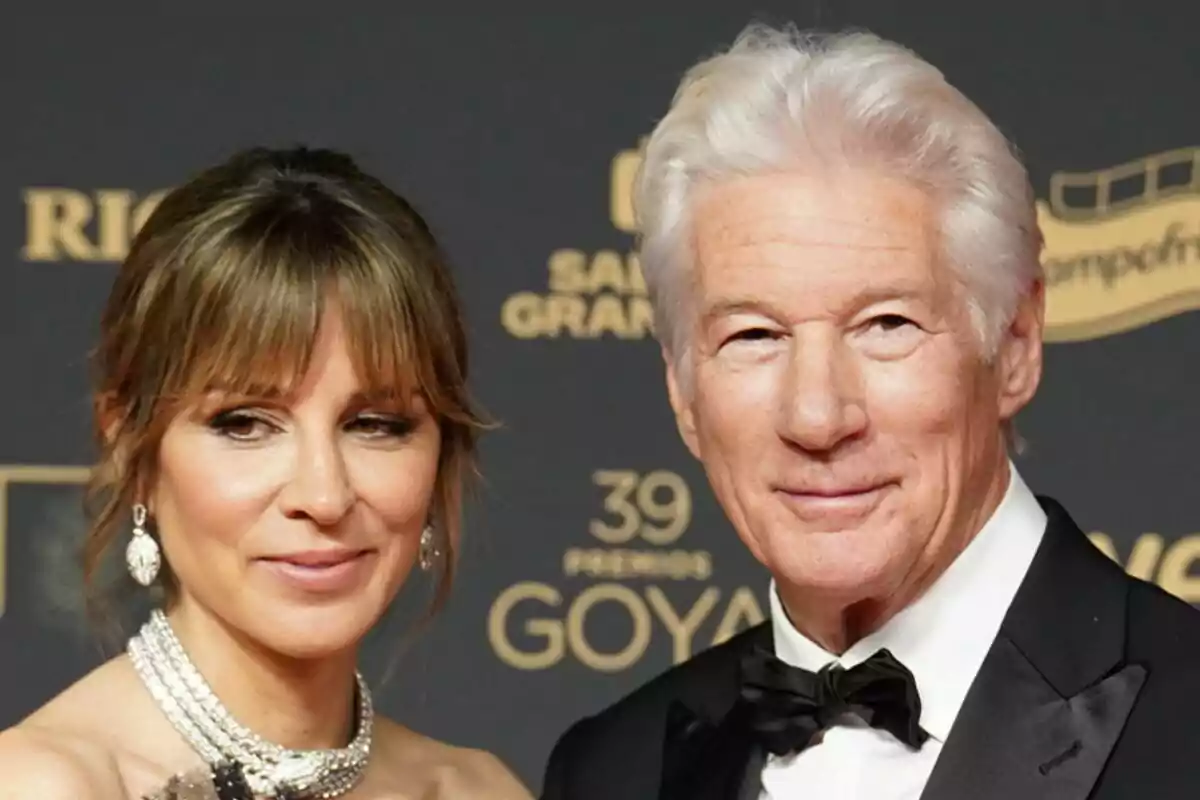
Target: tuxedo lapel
column 1054, row 692
column 704, row 760
column 708, row 753
column 1019, row 738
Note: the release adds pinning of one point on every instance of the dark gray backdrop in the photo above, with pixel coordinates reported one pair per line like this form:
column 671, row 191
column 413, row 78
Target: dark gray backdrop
column 507, row 129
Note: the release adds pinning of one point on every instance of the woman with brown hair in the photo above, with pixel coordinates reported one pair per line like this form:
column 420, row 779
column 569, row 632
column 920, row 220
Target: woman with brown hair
column 282, row 414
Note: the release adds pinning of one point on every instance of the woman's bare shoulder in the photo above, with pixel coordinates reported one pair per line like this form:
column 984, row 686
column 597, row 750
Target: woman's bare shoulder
column 63, row 749
column 480, row 774
column 451, row 772
column 51, row 764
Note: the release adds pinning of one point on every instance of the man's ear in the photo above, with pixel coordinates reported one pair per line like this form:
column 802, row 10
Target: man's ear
column 1019, row 359
column 681, row 404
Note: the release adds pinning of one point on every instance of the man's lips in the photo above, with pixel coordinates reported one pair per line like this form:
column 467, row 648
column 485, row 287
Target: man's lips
column 832, row 490
column 843, row 504
column 850, row 491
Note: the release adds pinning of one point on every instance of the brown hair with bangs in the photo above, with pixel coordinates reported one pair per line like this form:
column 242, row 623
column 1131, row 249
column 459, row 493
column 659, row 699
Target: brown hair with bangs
column 225, row 286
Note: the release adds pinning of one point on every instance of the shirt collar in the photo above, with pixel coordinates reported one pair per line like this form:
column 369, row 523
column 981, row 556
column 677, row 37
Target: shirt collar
column 944, row 636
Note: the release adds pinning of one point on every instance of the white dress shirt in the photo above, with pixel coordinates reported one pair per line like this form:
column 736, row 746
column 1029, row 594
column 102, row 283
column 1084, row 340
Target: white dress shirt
column 942, row 638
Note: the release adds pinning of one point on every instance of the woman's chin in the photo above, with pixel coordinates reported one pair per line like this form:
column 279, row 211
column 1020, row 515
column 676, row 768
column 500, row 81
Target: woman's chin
column 312, row 634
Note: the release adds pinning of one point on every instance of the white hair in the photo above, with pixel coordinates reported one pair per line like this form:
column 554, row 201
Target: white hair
column 783, row 99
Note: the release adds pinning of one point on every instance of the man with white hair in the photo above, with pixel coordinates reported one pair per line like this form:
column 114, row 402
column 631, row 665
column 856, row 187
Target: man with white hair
column 843, row 256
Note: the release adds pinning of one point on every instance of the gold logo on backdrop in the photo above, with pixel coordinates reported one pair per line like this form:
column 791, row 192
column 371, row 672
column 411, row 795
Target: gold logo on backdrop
column 636, row 540
column 1153, row 558
column 589, row 295
column 72, row 225
column 620, row 190
column 1122, row 245
column 15, row 474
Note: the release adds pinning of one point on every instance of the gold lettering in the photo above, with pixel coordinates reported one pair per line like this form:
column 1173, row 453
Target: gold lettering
column 1147, row 551
column 631, row 318
column 56, row 222
column 621, row 564
column 622, row 484
column 568, row 271
column 549, row 629
column 633, row 498
column 1175, row 575
column 526, row 315
column 641, row 318
column 682, row 630
column 521, row 315
column 608, row 316
column 621, row 178
column 743, row 612
column 643, row 564
column 569, row 635
column 1145, row 556
column 1104, row 544
column 637, row 281
column 577, row 617
column 1174, row 569
column 573, row 561
column 564, row 311
column 607, row 272
column 113, row 223
column 676, row 512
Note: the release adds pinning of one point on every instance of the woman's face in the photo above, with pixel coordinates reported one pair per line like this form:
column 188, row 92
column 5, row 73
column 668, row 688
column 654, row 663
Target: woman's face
column 295, row 520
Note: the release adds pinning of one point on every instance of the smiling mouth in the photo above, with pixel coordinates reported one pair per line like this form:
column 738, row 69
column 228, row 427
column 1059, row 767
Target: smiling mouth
column 320, row 572
column 317, row 559
column 844, row 505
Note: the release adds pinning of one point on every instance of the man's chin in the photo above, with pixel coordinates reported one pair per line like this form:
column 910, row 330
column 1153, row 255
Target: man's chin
column 833, row 581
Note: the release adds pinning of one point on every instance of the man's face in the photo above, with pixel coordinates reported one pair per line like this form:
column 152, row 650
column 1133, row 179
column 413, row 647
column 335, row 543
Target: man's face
column 838, row 396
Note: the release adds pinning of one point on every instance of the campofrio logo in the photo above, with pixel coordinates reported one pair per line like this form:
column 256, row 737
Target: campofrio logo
column 1122, row 245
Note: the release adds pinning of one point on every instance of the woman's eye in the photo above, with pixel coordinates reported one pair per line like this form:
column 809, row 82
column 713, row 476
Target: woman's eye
column 383, row 426
column 240, row 425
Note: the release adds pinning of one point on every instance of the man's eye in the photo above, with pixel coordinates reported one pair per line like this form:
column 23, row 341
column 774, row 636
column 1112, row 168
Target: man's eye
column 752, row 335
column 890, row 322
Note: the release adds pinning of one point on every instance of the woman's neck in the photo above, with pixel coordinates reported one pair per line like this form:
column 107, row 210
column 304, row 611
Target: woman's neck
column 295, row 703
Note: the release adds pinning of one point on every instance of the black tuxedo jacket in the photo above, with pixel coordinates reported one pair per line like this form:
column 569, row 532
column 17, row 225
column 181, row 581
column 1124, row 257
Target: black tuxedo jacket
column 1091, row 691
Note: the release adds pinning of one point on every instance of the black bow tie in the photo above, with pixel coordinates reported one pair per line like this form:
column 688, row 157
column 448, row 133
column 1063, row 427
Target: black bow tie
column 789, row 705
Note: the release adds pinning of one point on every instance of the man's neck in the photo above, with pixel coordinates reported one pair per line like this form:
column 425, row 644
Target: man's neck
column 838, row 631
column 298, row 704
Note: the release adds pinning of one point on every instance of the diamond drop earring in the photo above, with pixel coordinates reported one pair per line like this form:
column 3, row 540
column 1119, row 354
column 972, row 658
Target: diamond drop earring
column 429, row 551
column 142, row 556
